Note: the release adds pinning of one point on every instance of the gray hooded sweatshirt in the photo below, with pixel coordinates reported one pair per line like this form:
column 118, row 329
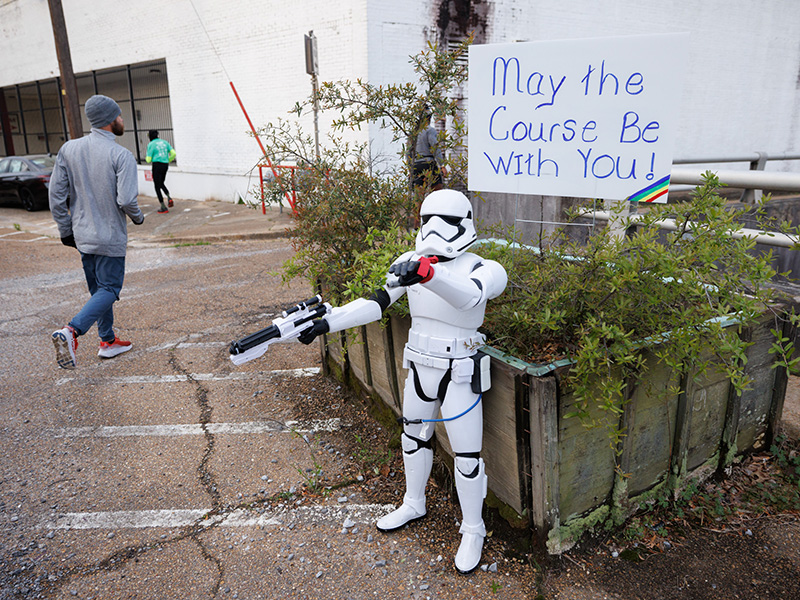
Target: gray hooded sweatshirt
column 93, row 186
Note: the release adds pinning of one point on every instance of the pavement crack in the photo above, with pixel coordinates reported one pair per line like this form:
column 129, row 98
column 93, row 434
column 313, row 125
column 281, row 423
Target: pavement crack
column 207, row 479
column 212, row 559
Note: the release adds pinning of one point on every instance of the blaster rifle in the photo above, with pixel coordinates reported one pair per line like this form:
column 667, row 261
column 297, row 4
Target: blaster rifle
column 288, row 326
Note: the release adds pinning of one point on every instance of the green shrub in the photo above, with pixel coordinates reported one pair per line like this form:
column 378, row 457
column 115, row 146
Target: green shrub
column 347, row 205
column 598, row 304
column 603, row 303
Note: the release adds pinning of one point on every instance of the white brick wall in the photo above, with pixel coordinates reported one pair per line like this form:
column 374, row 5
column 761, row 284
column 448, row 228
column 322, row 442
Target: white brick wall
column 396, row 31
column 740, row 95
column 259, row 46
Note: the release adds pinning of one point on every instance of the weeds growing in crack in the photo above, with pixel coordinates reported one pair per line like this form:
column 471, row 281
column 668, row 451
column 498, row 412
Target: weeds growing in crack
column 371, row 458
column 311, row 475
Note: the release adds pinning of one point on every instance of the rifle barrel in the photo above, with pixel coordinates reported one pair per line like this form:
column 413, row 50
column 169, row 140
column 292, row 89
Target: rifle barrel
column 255, row 339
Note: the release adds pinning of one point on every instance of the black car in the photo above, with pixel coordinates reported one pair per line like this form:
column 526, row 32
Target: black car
column 27, row 178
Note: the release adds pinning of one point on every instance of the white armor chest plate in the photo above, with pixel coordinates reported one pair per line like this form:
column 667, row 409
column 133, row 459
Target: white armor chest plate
column 437, row 327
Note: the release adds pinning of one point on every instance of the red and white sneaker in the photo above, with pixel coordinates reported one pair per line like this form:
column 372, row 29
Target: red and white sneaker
column 112, row 349
column 66, row 342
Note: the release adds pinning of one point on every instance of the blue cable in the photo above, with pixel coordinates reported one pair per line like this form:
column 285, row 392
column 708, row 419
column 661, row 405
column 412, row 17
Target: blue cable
column 420, row 421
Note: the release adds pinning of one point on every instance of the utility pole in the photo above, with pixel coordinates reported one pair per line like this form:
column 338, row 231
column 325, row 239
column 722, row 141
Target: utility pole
column 69, row 87
column 312, row 68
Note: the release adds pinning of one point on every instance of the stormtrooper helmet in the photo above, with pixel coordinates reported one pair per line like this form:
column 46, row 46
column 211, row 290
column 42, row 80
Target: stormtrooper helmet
column 447, row 229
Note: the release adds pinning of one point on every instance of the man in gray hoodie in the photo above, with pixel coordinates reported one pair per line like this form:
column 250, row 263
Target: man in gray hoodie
column 92, row 188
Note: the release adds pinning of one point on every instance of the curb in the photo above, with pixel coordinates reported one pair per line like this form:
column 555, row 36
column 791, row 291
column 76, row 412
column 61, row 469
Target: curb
column 215, row 238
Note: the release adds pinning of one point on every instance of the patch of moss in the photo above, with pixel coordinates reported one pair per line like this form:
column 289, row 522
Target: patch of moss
column 510, row 516
column 562, row 538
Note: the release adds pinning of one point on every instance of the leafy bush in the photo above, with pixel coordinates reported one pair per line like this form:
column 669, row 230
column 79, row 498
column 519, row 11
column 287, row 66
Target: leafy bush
column 340, row 206
column 346, row 204
column 598, row 304
column 603, row 303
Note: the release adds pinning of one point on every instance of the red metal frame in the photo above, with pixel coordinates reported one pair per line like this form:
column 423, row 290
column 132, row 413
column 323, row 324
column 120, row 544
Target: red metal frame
column 263, row 152
column 291, row 195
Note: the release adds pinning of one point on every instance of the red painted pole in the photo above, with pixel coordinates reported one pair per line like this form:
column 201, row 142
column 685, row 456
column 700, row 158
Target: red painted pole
column 260, row 145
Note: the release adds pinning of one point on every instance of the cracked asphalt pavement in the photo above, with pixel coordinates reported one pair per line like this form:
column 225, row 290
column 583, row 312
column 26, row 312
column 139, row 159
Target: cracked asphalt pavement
column 167, row 472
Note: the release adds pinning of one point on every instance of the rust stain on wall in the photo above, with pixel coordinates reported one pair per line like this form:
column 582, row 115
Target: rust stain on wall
column 460, row 18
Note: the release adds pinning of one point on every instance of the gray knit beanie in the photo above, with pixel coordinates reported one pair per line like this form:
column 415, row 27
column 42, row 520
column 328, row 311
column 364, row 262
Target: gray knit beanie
column 101, row 110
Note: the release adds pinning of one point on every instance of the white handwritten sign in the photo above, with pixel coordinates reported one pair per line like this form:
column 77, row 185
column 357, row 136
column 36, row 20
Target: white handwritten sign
column 589, row 118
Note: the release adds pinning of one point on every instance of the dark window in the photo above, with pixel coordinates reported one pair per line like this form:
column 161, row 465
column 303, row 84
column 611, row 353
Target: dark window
column 35, row 111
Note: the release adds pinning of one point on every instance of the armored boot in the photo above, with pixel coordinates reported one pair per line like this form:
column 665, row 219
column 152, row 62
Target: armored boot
column 471, row 492
column 417, row 461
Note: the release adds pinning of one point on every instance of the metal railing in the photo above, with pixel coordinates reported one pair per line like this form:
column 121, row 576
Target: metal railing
column 750, row 181
column 264, row 180
column 761, row 236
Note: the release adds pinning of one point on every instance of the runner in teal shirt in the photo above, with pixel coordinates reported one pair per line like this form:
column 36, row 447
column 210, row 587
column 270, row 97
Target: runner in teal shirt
column 160, row 153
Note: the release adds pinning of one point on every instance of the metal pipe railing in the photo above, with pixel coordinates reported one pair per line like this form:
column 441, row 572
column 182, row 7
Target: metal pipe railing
column 769, row 238
column 757, row 160
column 762, row 180
column 755, row 157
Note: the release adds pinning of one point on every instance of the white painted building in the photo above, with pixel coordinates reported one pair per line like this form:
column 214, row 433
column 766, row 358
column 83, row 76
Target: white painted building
column 179, row 57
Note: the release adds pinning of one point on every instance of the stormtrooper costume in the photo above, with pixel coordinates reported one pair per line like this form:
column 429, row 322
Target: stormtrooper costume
column 447, row 291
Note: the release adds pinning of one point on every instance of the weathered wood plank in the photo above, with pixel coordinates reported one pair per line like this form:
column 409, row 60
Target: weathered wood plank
column 391, row 364
column 790, row 331
column 651, row 430
column 334, row 349
column 500, row 449
column 733, row 411
column 545, row 466
column 707, row 418
column 400, row 327
column 358, row 358
column 754, row 406
column 586, row 475
column 378, row 353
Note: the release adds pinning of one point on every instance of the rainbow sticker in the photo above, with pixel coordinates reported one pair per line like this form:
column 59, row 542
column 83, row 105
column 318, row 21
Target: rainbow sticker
column 652, row 192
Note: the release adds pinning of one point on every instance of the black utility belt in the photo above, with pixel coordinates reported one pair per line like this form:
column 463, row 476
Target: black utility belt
column 473, row 369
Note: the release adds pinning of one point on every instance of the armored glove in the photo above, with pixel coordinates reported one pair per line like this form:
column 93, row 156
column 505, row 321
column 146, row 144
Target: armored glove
column 319, row 327
column 414, row 271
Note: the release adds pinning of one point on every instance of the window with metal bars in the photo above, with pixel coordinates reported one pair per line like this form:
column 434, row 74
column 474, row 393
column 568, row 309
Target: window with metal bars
column 32, row 118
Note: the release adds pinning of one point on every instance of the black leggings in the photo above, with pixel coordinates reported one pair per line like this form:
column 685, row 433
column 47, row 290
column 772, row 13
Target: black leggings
column 159, row 175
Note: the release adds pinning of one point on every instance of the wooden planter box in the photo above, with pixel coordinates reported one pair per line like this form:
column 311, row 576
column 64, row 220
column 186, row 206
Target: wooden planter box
column 561, row 477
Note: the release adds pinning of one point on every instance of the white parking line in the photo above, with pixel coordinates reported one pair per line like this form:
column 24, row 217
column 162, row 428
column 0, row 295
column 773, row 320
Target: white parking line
column 38, row 239
column 127, row 519
column 187, row 345
column 304, row 372
column 197, row 429
column 140, row 519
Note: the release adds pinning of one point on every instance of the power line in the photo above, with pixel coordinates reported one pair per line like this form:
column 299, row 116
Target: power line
column 210, row 41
